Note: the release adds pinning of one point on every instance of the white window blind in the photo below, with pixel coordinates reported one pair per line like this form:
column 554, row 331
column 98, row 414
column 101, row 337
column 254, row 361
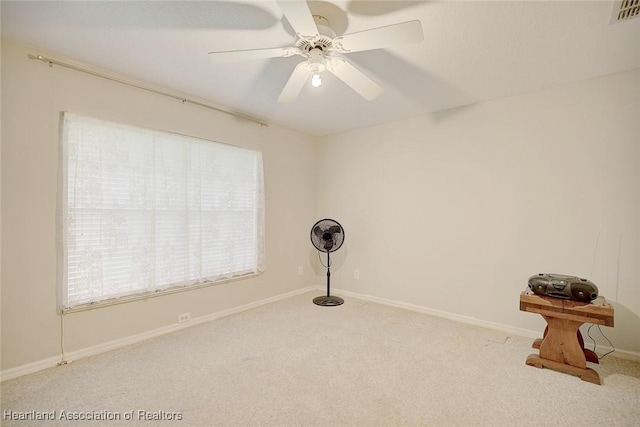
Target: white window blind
column 144, row 210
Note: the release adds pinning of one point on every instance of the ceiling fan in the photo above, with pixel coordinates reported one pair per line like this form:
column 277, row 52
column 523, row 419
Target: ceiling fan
column 323, row 50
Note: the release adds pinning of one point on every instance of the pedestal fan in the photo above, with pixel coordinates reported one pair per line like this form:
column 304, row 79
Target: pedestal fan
column 327, row 235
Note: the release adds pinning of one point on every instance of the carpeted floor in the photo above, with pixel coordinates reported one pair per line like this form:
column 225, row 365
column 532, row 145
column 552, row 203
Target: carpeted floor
column 291, row 363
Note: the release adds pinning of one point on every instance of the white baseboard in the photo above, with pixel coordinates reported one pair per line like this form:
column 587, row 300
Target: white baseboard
column 30, row 368
column 527, row 333
column 112, row 345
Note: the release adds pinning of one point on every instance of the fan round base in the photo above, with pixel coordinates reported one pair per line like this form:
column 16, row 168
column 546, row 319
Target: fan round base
column 328, row 301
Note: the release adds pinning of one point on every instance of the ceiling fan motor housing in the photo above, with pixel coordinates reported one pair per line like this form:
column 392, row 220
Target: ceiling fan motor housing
column 323, row 41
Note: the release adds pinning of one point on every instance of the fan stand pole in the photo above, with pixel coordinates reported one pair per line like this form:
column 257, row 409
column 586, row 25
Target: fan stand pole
column 328, row 301
column 328, row 275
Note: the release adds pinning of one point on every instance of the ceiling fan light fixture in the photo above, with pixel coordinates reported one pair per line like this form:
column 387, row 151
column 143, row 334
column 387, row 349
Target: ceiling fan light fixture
column 316, row 81
column 316, row 61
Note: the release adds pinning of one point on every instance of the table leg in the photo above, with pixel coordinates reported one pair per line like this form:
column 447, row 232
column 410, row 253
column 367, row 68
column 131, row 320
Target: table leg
column 561, row 350
column 561, row 343
column 590, row 355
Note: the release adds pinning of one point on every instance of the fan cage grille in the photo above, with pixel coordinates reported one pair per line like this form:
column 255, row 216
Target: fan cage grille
column 321, row 232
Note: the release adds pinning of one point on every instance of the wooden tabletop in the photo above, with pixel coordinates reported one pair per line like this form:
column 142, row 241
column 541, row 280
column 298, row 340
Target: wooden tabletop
column 598, row 311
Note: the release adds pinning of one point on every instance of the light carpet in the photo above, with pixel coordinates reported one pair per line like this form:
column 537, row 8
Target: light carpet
column 292, row 363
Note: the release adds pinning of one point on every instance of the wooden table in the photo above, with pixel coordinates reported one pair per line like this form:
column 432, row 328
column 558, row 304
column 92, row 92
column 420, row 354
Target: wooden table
column 562, row 345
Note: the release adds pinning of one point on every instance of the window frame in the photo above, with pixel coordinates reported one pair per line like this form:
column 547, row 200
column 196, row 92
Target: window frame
column 257, row 268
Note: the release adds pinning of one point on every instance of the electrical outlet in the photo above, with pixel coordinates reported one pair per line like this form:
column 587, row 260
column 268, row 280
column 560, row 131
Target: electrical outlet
column 356, row 274
column 184, row 317
column 300, row 271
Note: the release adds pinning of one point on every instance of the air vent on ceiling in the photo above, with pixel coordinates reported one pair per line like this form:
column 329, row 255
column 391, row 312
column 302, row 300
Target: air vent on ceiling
column 624, row 10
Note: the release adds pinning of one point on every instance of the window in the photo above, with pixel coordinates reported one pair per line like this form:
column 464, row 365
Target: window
column 144, row 211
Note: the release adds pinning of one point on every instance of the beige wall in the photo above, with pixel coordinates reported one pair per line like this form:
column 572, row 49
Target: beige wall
column 32, row 97
column 455, row 210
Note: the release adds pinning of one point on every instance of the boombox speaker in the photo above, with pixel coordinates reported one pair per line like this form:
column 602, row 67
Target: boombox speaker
column 561, row 286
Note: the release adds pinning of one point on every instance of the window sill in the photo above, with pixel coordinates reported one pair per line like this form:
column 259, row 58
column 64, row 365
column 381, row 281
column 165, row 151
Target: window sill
column 158, row 293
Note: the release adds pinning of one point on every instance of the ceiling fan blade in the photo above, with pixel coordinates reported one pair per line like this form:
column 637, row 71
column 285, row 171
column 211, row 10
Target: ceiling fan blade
column 376, row 7
column 299, row 16
column 376, row 38
column 249, row 54
column 355, row 78
column 295, row 83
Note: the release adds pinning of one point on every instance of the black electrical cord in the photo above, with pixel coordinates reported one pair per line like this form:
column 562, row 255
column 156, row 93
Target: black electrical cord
column 320, row 259
column 594, row 341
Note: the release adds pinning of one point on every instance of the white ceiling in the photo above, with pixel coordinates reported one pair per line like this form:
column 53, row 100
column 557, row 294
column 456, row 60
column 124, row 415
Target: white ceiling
column 473, row 51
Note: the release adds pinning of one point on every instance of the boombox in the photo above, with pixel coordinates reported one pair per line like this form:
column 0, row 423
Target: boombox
column 560, row 286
